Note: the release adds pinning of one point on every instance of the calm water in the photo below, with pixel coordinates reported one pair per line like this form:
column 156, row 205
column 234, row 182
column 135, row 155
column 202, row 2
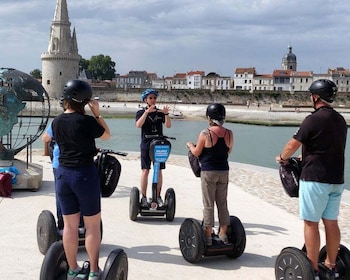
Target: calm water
column 256, row 145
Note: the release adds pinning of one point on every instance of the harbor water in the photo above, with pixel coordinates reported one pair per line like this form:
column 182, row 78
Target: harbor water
column 253, row 144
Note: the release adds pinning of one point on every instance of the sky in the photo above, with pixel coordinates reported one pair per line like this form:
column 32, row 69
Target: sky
column 177, row 36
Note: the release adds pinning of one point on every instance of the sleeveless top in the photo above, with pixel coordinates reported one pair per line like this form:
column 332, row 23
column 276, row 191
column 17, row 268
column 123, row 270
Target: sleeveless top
column 215, row 157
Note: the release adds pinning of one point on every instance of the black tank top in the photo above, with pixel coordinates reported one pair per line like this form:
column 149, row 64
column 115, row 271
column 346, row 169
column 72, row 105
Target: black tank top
column 215, row 157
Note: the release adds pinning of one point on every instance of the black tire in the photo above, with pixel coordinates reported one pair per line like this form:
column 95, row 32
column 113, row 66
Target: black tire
column 116, row 266
column 293, row 264
column 236, row 235
column 46, row 231
column 55, row 265
column 192, row 240
column 170, row 203
column 342, row 261
column 134, row 203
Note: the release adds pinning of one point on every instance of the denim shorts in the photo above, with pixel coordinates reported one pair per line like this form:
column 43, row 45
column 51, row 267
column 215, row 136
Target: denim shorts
column 78, row 190
column 319, row 200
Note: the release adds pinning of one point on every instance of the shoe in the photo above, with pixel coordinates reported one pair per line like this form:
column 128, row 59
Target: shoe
column 209, row 241
column 144, row 202
column 224, row 238
column 160, row 201
column 95, row 275
column 327, row 273
column 75, row 274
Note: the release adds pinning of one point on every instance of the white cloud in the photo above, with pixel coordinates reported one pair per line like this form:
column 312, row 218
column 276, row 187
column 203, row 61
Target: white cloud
column 179, row 36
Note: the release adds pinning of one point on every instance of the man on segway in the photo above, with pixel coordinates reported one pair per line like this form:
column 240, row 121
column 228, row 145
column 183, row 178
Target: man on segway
column 322, row 136
column 150, row 119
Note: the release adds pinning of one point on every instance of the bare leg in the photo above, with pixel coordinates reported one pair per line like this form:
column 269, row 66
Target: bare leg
column 223, row 230
column 332, row 241
column 70, row 239
column 93, row 239
column 312, row 242
column 144, row 181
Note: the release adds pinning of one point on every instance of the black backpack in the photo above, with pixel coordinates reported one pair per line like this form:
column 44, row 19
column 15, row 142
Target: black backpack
column 195, row 164
column 290, row 176
column 109, row 170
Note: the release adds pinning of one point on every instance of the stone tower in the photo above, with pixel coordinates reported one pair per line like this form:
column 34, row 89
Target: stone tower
column 61, row 61
column 289, row 60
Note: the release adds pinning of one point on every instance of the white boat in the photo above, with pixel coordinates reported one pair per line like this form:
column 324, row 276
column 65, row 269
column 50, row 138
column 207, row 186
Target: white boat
column 179, row 115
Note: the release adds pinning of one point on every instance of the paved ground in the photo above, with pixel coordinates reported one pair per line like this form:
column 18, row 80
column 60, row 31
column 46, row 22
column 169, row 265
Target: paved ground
column 255, row 196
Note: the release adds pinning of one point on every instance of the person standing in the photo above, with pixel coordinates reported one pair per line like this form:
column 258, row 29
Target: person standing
column 213, row 147
column 151, row 119
column 322, row 136
column 77, row 181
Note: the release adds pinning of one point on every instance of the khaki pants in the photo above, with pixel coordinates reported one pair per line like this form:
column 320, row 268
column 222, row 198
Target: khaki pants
column 214, row 189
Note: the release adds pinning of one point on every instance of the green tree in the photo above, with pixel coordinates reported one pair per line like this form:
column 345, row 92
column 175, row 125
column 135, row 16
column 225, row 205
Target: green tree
column 84, row 64
column 102, row 67
column 36, row 73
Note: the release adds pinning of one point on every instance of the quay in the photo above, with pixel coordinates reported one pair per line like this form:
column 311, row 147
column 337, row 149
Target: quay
column 255, row 196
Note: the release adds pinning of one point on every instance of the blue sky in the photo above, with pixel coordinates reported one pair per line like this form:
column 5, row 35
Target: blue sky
column 171, row 36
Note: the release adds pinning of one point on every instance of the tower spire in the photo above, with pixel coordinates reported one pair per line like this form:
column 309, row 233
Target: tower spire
column 61, row 61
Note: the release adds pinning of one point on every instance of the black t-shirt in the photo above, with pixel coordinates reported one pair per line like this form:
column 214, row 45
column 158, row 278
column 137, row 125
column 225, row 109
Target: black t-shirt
column 323, row 135
column 153, row 126
column 75, row 135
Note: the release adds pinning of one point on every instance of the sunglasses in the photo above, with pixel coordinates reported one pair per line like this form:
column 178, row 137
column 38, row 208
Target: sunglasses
column 152, row 97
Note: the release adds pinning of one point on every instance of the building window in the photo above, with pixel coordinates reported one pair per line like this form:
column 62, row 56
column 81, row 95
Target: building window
column 48, row 82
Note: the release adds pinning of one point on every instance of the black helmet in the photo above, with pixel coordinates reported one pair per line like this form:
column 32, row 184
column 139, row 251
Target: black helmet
column 216, row 111
column 78, row 91
column 326, row 89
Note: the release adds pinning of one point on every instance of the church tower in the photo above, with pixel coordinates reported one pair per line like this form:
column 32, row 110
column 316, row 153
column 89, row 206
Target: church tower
column 289, row 60
column 61, row 61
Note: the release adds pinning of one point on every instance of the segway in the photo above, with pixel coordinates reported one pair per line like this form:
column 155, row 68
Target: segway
column 109, row 170
column 55, row 265
column 292, row 263
column 159, row 152
column 193, row 244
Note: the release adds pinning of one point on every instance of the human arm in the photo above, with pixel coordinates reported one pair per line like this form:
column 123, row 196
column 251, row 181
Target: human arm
column 141, row 120
column 198, row 148
column 289, row 149
column 95, row 109
column 165, row 111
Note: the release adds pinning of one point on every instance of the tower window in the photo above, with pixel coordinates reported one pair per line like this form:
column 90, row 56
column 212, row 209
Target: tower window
column 48, row 82
column 60, row 73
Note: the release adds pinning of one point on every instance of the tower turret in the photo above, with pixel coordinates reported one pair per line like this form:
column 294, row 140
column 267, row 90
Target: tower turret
column 61, row 61
column 289, row 60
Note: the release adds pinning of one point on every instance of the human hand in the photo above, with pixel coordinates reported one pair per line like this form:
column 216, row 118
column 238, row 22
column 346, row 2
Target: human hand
column 280, row 160
column 151, row 109
column 94, row 107
column 166, row 109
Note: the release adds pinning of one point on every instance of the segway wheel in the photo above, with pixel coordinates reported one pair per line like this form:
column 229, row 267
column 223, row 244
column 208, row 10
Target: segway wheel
column 236, row 235
column 192, row 240
column 46, row 231
column 116, row 266
column 342, row 261
column 170, row 202
column 55, row 265
column 293, row 263
column 134, row 203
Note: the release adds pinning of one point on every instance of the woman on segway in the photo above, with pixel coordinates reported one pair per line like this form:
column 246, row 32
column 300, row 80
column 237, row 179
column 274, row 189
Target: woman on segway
column 77, row 180
column 213, row 146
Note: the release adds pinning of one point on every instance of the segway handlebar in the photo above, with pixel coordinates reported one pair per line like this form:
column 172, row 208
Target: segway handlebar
column 153, row 136
column 109, row 151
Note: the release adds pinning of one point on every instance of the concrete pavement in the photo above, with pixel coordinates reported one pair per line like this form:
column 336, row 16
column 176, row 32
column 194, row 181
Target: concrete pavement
column 152, row 243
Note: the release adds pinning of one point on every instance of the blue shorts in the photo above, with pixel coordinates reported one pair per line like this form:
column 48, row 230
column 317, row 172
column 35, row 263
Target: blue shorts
column 146, row 160
column 78, row 190
column 319, row 200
